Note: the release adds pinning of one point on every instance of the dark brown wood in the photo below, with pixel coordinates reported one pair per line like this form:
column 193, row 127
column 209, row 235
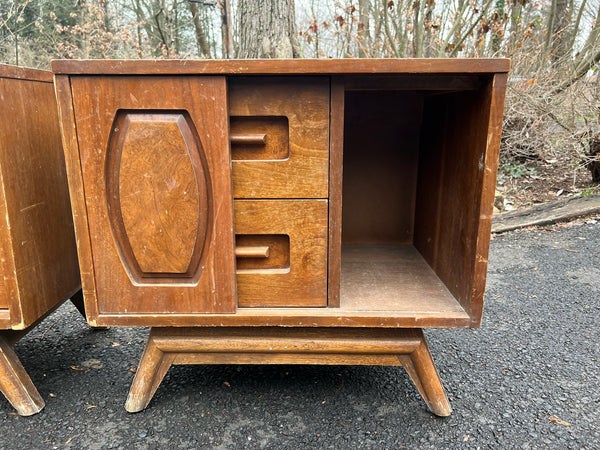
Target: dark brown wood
column 381, row 142
column 406, row 347
column 296, row 111
column 157, row 209
column 283, row 66
column 336, row 172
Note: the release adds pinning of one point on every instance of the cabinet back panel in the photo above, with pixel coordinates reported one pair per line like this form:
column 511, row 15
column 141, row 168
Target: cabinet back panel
column 381, row 144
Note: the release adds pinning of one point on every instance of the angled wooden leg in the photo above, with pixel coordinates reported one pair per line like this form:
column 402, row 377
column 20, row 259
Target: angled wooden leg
column 77, row 300
column 153, row 367
column 15, row 384
column 420, row 367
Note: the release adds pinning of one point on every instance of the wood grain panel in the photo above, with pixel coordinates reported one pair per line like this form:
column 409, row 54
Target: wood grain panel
column 304, row 102
column 262, row 251
column 39, row 224
column 259, row 138
column 381, row 144
column 287, row 67
column 304, row 282
column 453, row 226
column 158, row 194
column 96, row 104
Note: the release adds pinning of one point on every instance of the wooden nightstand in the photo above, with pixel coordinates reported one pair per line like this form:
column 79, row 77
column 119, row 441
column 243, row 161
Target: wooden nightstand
column 38, row 255
column 298, row 211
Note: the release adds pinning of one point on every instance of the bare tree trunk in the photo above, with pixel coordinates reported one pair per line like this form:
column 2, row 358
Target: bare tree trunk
column 364, row 46
column 563, row 14
column 267, row 29
column 226, row 35
column 203, row 47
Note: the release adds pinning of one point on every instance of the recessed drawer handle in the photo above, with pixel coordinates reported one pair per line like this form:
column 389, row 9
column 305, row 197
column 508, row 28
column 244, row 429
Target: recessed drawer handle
column 248, row 139
column 252, row 252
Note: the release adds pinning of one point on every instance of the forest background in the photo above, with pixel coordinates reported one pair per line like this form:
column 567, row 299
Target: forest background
column 551, row 137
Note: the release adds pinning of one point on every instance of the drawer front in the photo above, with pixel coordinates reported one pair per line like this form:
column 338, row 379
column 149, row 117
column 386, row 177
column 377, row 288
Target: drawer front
column 281, row 253
column 156, row 177
column 279, row 133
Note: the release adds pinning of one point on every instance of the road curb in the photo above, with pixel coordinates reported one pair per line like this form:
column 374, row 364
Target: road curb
column 546, row 213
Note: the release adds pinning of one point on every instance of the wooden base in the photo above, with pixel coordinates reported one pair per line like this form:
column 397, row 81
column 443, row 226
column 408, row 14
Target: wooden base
column 332, row 346
column 15, row 384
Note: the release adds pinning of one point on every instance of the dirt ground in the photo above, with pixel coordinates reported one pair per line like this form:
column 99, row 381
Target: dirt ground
column 525, row 182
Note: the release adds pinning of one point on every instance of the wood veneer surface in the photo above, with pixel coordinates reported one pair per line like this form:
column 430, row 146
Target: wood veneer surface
column 39, row 258
column 282, row 66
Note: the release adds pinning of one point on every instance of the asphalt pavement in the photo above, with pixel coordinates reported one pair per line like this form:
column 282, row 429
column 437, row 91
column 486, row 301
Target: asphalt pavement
column 528, row 378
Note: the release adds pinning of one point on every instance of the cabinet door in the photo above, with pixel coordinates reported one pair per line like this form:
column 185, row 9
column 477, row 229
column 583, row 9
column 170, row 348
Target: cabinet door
column 156, row 169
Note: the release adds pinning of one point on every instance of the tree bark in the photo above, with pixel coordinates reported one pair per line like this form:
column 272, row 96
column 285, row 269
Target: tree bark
column 267, row 29
column 203, row 47
column 363, row 28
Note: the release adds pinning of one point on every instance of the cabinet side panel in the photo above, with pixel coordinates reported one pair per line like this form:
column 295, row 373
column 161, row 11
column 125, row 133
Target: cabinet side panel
column 451, row 179
column 137, row 200
column 37, row 198
column 494, row 132
column 64, row 99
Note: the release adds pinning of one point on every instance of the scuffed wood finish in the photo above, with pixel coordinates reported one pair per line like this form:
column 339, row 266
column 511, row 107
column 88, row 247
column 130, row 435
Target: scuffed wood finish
column 285, row 67
column 304, row 281
column 406, row 347
column 453, row 220
column 15, row 383
column 158, row 194
column 294, row 169
column 39, row 258
column 209, row 289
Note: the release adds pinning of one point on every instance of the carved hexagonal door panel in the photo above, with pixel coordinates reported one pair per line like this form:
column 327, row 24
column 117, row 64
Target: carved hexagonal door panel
column 157, row 179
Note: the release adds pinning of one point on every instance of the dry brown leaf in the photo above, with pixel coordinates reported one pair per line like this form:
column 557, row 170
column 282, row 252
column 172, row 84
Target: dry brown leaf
column 558, row 421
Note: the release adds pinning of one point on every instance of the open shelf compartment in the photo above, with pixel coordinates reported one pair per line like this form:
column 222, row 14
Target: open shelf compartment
column 417, row 173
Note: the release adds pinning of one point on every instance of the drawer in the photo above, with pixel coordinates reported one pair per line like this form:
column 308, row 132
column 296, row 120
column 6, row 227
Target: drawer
column 281, row 252
column 279, row 133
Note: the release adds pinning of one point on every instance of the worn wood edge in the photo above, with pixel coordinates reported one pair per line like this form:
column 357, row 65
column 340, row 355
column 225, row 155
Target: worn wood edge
column 336, row 150
column 281, row 66
column 486, row 201
column 25, row 73
column 284, row 317
column 68, row 128
column 546, row 213
column 15, row 313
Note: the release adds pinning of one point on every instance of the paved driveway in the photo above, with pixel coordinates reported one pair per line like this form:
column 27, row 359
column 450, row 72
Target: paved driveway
column 528, row 378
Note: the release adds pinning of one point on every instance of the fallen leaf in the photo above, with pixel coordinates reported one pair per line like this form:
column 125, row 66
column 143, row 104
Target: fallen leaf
column 115, row 344
column 226, row 384
column 78, row 369
column 466, row 438
column 52, row 395
column 558, row 421
column 88, row 406
column 69, row 441
column 133, row 369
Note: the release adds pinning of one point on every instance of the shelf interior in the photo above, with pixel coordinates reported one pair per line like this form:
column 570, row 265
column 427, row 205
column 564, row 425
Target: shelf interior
column 392, row 278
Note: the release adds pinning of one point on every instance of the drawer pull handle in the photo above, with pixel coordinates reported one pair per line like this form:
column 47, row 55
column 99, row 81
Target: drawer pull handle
column 252, row 252
column 249, row 139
